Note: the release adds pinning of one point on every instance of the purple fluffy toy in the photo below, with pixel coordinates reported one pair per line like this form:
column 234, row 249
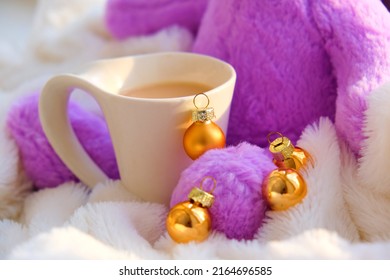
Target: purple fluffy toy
column 296, row 60
column 41, row 163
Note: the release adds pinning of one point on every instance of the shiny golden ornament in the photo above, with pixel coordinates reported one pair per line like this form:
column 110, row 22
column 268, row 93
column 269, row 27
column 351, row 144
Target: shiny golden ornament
column 284, row 188
column 203, row 134
column 190, row 220
column 201, row 137
column 285, row 155
column 187, row 221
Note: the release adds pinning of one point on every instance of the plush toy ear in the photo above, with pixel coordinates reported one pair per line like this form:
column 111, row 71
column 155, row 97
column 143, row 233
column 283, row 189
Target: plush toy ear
column 357, row 38
column 125, row 18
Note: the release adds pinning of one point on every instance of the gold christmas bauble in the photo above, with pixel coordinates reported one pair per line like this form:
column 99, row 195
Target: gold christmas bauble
column 298, row 159
column 188, row 221
column 284, row 188
column 202, row 136
column 285, row 155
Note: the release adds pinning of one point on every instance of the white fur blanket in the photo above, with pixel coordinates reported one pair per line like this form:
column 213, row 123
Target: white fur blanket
column 346, row 214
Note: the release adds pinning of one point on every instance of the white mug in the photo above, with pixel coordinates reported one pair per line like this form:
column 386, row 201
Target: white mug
column 147, row 133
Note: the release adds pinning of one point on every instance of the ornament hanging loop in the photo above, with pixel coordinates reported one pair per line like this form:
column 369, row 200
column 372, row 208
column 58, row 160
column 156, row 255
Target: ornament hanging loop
column 203, row 114
column 281, row 147
column 199, row 195
column 214, row 184
column 196, row 96
column 274, row 133
column 285, row 155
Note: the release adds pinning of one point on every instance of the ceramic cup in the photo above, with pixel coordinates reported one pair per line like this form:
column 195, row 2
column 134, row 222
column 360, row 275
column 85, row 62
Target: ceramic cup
column 147, row 133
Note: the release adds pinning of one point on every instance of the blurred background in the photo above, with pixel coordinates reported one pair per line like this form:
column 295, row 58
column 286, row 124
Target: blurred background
column 15, row 19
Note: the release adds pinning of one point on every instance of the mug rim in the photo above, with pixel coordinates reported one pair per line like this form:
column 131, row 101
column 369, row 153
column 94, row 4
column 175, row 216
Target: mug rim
column 231, row 76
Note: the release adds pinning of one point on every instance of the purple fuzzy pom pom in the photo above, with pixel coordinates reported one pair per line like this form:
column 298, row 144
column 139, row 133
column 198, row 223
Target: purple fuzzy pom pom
column 41, row 163
column 239, row 208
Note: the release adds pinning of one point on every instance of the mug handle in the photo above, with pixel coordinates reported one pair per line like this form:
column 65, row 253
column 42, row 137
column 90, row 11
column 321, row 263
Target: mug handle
column 53, row 115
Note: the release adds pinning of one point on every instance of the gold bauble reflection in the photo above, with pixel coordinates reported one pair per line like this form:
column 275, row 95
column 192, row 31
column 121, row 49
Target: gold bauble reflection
column 284, row 188
column 202, row 136
column 298, row 159
column 187, row 222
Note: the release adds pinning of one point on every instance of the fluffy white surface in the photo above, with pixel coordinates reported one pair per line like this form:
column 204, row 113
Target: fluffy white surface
column 346, row 214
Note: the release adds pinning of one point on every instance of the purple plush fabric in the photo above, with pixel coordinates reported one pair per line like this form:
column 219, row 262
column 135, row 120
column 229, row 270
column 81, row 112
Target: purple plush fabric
column 357, row 40
column 42, row 165
column 296, row 60
column 239, row 208
column 135, row 16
